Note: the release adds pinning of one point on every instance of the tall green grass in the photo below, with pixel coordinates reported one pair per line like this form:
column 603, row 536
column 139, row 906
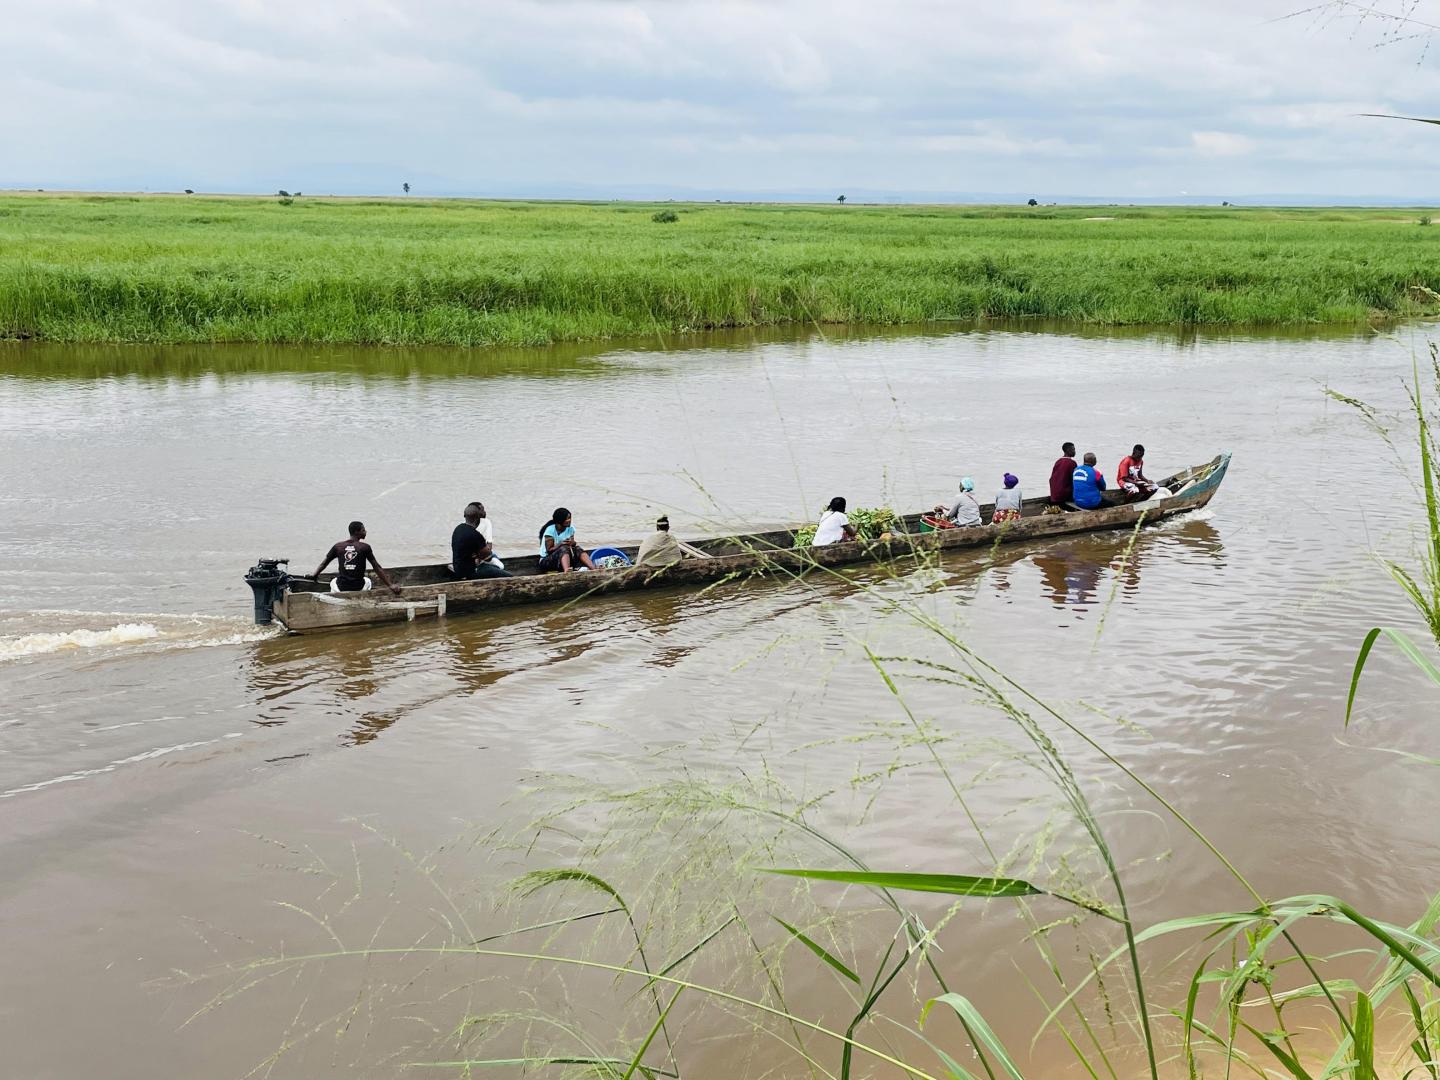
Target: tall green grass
column 1420, row 584
column 193, row 269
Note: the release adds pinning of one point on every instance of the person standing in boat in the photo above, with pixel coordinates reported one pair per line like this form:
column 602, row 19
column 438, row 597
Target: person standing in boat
column 559, row 550
column 966, row 511
column 1008, row 501
column 471, row 555
column 834, row 525
column 353, row 554
column 1087, row 484
column 1062, row 475
column 1131, row 475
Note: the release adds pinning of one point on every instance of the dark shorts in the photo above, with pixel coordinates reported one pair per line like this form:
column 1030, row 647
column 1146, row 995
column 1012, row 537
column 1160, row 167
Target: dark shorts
column 551, row 563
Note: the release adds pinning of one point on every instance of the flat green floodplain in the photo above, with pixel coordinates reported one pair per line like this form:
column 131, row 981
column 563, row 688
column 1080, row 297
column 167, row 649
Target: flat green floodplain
column 198, row 268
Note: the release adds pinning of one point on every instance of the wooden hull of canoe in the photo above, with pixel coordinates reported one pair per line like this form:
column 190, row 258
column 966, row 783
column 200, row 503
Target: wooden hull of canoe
column 760, row 553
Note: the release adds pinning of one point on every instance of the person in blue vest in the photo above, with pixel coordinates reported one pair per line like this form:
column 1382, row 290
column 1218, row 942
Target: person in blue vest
column 1087, row 485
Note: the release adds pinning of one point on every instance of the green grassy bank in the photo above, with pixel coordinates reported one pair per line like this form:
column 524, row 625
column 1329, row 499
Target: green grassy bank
column 194, row 268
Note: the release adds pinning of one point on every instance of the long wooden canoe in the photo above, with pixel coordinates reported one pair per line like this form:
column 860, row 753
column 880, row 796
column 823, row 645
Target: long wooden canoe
column 307, row 605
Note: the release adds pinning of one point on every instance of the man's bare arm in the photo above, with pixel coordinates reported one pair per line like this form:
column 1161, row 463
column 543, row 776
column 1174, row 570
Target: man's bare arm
column 380, row 573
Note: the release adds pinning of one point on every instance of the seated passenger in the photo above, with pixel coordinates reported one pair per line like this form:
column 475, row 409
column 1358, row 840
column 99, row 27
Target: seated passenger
column 353, row 555
column 471, row 555
column 559, row 550
column 1088, row 484
column 966, row 510
column 1131, row 478
column 834, row 526
column 661, row 549
column 486, row 528
column 1061, row 474
column 1008, row 501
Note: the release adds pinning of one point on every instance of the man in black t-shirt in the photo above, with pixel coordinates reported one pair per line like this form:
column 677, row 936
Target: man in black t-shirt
column 470, row 552
column 353, row 554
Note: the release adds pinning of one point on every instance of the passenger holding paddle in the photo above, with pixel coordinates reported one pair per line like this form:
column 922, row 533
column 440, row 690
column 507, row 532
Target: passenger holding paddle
column 1130, row 475
column 559, row 549
column 353, row 554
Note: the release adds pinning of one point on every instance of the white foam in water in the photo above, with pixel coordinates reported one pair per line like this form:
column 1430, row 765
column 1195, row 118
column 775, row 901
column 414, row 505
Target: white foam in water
column 38, row 644
column 145, row 631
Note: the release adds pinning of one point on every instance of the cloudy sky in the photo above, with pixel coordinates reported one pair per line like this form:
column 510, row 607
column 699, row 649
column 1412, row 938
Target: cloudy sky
column 1124, row 98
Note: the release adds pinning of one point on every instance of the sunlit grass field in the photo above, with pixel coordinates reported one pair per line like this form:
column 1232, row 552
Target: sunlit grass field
column 197, row 268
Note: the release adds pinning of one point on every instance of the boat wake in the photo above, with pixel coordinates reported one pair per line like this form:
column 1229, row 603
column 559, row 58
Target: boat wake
column 43, row 633
column 36, row 644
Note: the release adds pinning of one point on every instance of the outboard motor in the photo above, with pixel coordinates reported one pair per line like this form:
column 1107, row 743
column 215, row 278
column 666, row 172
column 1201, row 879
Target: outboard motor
column 269, row 579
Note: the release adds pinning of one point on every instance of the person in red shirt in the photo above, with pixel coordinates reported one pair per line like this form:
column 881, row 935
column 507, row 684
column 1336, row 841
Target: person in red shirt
column 1131, row 475
column 1062, row 476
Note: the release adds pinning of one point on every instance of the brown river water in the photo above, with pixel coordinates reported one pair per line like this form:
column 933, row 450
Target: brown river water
column 183, row 794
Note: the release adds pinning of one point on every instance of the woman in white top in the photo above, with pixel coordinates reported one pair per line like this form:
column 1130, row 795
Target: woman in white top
column 1007, row 501
column 834, row 525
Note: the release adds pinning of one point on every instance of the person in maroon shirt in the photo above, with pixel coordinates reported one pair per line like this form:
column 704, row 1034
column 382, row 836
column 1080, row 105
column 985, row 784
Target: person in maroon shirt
column 1062, row 477
column 353, row 554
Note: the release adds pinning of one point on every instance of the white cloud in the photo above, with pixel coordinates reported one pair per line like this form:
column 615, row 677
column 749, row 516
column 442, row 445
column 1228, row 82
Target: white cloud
column 1052, row 96
column 1221, row 143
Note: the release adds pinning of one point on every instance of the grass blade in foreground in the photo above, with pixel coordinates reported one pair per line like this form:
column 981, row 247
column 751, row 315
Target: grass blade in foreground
column 1408, row 647
column 949, row 884
column 819, row 950
column 1395, row 116
column 946, row 884
column 1271, row 1043
column 1364, row 1039
column 973, row 1021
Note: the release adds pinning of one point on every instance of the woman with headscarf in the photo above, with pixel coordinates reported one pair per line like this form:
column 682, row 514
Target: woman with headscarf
column 1008, row 501
column 966, row 510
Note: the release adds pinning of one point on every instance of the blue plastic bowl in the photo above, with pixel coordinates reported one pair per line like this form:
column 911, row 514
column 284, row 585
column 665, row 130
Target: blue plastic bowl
column 602, row 552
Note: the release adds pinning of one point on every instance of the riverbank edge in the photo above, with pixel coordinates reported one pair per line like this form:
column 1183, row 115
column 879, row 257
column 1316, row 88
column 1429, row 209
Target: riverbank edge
column 696, row 337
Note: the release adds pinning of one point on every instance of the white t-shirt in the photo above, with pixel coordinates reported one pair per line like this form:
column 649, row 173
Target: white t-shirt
column 1008, row 499
column 487, row 530
column 831, row 528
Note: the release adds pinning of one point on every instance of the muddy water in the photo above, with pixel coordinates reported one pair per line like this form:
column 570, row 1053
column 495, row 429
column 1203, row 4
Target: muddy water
column 181, row 792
